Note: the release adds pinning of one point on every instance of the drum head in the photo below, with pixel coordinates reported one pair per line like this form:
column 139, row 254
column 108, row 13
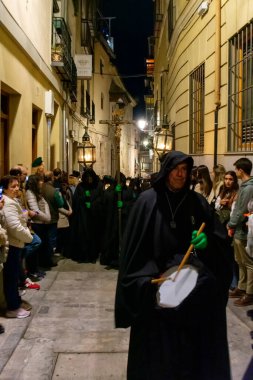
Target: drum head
column 172, row 293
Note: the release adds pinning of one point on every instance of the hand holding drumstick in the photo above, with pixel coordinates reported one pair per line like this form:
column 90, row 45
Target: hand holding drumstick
column 202, row 245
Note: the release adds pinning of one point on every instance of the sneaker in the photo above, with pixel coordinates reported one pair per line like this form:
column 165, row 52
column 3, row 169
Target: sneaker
column 18, row 313
column 21, row 292
column 34, row 277
column 31, row 285
column 26, row 305
column 1, row 329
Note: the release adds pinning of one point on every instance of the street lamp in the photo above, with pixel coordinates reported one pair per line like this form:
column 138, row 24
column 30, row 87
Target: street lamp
column 163, row 141
column 141, row 123
column 86, row 151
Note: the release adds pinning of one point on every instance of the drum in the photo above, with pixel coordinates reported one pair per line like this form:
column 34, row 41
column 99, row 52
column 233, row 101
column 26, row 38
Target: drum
column 172, row 293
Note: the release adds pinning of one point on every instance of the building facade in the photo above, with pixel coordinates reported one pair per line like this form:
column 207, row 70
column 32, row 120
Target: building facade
column 203, row 77
column 57, row 80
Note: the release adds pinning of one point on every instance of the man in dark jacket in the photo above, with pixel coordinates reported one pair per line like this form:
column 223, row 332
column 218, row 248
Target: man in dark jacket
column 190, row 341
column 49, row 233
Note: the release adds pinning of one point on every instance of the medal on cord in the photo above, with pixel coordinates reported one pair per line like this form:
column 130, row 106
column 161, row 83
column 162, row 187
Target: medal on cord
column 173, row 224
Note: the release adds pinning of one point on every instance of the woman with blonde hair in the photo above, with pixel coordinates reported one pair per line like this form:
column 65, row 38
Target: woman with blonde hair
column 218, row 181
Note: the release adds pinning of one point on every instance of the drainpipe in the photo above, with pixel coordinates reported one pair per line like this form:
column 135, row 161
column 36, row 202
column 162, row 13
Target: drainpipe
column 49, row 127
column 217, row 75
column 63, row 153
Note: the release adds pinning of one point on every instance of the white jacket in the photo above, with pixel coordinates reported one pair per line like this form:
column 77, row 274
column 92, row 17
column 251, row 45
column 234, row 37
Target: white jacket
column 15, row 223
column 40, row 206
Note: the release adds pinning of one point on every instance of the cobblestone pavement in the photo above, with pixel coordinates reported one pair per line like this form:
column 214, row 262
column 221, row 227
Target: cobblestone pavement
column 71, row 334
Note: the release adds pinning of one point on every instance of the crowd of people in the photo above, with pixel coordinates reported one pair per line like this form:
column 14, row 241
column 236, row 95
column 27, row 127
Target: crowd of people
column 87, row 219
column 50, row 213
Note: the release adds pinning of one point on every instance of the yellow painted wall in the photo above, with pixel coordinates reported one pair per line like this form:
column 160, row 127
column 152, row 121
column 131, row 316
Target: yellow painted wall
column 193, row 43
column 34, row 18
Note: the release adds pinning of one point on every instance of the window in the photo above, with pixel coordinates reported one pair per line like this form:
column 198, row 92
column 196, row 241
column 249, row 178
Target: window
column 92, row 121
column 87, row 103
column 240, row 91
column 171, row 18
column 196, row 117
column 101, row 67
column 4, row 141
column 102, row 101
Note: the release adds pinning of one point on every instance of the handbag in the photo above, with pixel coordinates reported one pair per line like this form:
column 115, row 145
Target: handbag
column 224, row 215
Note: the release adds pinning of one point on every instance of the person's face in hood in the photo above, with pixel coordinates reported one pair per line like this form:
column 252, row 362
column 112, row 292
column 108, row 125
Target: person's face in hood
column 177, row 177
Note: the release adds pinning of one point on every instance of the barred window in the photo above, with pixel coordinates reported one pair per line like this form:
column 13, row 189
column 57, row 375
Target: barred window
column 240, row 91
column 171, row 18
column 196, row 107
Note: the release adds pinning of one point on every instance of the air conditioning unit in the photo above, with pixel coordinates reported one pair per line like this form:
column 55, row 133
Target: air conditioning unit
column 49, row 103
column 203, row 8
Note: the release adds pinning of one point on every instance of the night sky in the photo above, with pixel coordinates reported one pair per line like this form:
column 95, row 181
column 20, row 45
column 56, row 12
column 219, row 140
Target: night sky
column 131, row 29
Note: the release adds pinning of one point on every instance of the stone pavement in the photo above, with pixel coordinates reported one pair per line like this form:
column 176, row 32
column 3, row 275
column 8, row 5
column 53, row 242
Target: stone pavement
column 71, row 334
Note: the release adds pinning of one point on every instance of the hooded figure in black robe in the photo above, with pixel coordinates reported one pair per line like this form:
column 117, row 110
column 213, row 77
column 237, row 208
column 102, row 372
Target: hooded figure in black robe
column 111, row 243
column 86, row 223
column 188, row 342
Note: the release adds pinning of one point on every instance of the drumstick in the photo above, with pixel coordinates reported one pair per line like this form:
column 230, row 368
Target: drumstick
column 185, row 258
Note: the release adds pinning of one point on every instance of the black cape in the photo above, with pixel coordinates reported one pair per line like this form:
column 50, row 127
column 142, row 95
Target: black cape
column 111, row 241
column 166, row 344
column 86, row 223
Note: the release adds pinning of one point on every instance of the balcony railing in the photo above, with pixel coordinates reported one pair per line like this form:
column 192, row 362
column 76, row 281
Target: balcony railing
column 61, row 49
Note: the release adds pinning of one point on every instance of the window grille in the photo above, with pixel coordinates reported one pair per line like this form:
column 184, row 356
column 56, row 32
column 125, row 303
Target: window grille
column 240, row 91
column 196, row 108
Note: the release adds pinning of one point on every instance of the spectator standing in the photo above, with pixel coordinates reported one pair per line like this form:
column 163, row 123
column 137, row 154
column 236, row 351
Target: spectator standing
column 237, row 228
column 223, row 206
column 63, row 225
column 57, row 178
column 38, row 166
column 22, row 174
column 18, row 234
column 194, row 179
column 39, row 206
column 4, row 247
column 227, row 196
column 54, row 199
column 204, row 180
column 218, row 181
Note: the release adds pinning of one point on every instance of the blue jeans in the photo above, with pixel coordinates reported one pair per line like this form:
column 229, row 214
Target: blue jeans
column 30, row 255
column 11, row 271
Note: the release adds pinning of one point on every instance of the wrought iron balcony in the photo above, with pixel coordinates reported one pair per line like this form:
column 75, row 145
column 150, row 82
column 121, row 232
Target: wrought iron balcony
column 61, row 58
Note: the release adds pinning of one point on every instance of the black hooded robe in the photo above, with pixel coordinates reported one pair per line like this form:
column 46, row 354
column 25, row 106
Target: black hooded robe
column 110, row 249
column 166, row 344
column 86, row 223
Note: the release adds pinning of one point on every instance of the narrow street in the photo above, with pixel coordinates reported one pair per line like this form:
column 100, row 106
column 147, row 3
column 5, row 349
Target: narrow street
column 71, row 333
